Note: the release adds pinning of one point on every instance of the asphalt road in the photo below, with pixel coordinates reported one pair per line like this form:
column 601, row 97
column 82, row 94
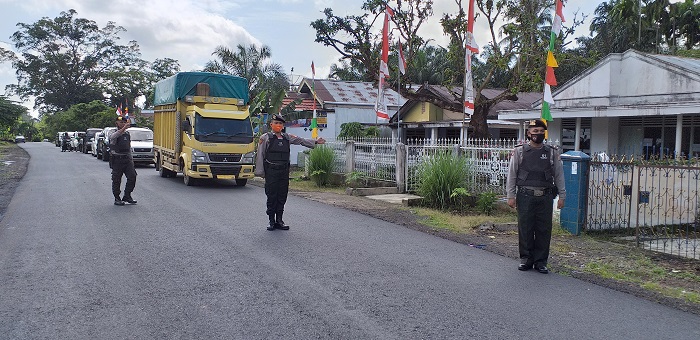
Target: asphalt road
column 197, row 263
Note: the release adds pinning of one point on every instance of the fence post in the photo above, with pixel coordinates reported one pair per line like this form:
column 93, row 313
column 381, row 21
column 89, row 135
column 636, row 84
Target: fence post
column 456, row 150
column 401, row 167
column 349, row 156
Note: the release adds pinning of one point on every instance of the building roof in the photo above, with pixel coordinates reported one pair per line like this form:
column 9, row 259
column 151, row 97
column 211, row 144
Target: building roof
column 346, row 92
column 632, row 83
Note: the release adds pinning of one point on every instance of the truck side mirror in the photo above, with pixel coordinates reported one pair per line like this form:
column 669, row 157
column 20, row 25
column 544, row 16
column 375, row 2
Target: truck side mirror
column 186, row 126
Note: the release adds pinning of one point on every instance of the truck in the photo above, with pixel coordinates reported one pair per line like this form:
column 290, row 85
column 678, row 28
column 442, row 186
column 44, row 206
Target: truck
column 202, row 128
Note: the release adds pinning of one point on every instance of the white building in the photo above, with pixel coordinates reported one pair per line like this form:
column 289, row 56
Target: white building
column 628, row 103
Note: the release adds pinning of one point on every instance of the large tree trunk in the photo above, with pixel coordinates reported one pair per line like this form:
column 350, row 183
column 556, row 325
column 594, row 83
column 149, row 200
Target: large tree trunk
column 478, row 122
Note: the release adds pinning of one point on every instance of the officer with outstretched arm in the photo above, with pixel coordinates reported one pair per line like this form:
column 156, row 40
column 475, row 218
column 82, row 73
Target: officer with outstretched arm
column 272, row 163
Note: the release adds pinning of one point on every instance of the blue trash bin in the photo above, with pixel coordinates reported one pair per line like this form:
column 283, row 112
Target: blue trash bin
column 572, row 216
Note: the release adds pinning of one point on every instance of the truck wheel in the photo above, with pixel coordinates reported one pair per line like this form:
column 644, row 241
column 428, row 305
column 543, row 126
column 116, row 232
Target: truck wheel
column 165, row 173
column 189, row 181
column 241, row 182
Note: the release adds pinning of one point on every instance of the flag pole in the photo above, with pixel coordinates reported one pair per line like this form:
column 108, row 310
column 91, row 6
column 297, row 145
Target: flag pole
column 398, row 99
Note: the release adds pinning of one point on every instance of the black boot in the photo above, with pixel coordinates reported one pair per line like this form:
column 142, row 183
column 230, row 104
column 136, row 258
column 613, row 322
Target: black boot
column 279, row 223
column 272, row 222
column 117, row 200
column 127, row 198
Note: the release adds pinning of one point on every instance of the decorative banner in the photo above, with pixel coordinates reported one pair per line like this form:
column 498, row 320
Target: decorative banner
column 470, row 48
column 380, row 106
column 402, row 60
column 550, row 80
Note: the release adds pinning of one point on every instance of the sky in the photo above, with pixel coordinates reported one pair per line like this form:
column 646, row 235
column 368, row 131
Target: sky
column 190, row 30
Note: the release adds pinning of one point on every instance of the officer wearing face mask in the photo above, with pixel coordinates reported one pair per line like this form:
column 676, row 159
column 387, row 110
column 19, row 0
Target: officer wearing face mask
column 272, row 163
column 535, row 178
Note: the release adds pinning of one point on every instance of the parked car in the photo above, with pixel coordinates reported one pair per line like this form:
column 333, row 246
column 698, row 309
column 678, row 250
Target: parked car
column 104, row 143
column 86, row 146
column 94, row 149
column 141, row 145
column 20, row 139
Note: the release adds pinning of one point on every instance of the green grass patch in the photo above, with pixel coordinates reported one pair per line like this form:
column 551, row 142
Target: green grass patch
column 463, row 224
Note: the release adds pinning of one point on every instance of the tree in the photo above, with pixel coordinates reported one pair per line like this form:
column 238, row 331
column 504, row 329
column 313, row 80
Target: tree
column 65, row 60
column 352, row 36
column 10, row 113
column 79, row 117
column 160, row 69
column 252, row 63
column 515, row 55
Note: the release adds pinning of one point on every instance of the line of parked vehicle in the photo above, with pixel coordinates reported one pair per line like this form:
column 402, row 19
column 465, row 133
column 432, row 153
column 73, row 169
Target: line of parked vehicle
column 96, row 142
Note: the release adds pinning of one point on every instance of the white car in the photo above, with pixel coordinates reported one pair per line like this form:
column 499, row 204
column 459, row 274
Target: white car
column 94, row 144
column 141, row 145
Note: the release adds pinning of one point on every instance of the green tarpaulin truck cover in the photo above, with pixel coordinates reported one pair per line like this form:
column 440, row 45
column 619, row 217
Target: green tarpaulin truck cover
column 172, row 89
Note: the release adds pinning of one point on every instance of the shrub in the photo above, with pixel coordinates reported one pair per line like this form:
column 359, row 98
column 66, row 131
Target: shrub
column 439, row 176
column 486, row 203
column 354, row 179
column 320, row 163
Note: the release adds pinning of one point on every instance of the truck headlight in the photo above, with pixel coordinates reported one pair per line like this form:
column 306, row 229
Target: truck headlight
column 198, row 156
column 248, row 158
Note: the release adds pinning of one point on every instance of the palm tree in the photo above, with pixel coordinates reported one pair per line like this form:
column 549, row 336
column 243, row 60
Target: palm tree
column 252, row 63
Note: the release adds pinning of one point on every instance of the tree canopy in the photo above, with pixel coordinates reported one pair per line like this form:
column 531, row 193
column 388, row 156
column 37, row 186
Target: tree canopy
column 65, row 60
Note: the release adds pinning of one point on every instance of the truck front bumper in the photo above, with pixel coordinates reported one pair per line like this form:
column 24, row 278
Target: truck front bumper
column 221, row 171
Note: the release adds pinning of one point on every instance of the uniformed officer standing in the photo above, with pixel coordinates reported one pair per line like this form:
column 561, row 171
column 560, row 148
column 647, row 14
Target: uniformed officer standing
column 121, row 162
column 272, row 163
column 535, row 174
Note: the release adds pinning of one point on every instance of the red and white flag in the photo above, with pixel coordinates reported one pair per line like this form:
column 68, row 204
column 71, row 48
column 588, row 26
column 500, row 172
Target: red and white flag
column 402, row 60
column 380, row 106
column 470, row 48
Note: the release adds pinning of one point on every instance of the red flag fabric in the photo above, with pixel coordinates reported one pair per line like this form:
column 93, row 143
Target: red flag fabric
column 384, row 63
column 560, row 10
column 549, row 77
column 313, row 69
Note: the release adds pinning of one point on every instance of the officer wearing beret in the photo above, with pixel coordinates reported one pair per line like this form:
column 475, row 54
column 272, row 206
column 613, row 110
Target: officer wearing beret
column 535, row 177
column 272, row 163
column 121, row 162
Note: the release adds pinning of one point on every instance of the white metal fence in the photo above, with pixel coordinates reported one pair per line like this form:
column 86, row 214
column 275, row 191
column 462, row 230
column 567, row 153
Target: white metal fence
column 375, row 158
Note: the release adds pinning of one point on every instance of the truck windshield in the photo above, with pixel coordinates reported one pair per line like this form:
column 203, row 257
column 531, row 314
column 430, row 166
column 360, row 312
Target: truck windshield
column 223, row 130
column 141, row 136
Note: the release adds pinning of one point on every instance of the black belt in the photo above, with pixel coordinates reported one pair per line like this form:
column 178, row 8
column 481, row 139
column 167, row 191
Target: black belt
column 536, row 192
column 277, row 166
column 120, row 156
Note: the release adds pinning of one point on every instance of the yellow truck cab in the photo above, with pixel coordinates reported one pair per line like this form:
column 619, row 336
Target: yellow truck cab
column 202, row 128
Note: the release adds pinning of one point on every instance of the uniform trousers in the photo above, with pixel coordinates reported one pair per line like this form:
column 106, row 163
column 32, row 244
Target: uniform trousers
column 534, row 227
column 276, row 188
column 123, row 166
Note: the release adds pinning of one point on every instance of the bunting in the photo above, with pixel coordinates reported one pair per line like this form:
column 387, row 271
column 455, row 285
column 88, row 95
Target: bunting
column 380, row 106
column 314, row 121
column 550, row 80
column 470, row 48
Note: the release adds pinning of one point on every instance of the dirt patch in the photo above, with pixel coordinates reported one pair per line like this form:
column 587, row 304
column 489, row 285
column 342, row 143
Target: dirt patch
column 13, row 165
column 569, row 254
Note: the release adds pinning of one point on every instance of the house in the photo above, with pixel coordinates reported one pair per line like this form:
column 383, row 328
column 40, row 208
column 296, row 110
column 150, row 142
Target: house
column 337, row 102
column 436, row 113
column 630, row 103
